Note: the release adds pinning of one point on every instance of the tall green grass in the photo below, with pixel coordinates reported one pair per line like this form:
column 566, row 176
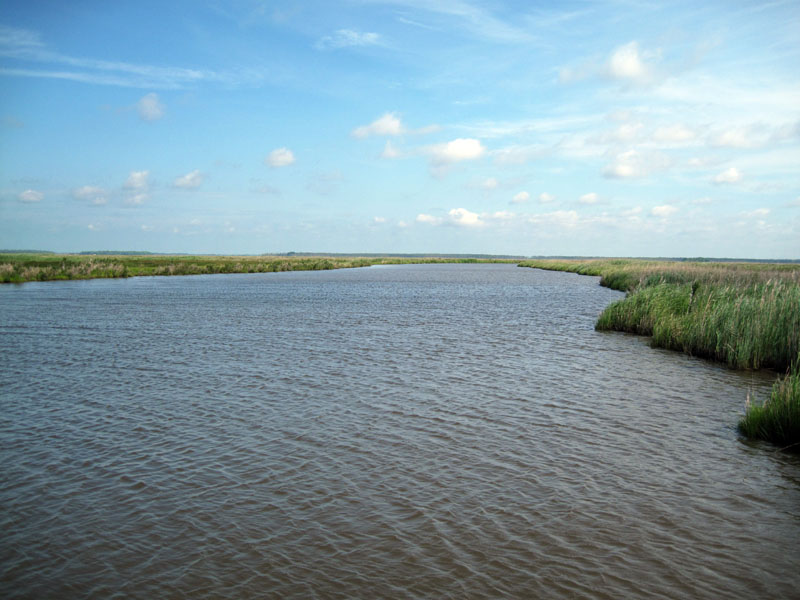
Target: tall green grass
column 778, row 418
column 746, row 315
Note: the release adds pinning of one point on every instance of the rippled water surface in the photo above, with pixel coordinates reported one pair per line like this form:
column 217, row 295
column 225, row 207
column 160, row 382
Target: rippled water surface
column 440, row 431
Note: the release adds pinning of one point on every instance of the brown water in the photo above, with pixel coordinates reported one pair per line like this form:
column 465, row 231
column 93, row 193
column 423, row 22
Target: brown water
column 442, row 431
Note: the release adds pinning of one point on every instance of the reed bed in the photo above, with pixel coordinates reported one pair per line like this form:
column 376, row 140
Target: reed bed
column 746, row 315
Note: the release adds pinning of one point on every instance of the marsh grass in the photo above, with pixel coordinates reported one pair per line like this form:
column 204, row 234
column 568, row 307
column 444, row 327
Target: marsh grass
column 778, row 418
column 746, row 315
column 19, row 268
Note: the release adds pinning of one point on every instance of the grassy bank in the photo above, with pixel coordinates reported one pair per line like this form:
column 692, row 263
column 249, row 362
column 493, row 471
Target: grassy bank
column 19, row 268
column 746, row 315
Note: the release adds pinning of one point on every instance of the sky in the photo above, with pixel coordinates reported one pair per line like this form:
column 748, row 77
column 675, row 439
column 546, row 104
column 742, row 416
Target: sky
column 621, row 128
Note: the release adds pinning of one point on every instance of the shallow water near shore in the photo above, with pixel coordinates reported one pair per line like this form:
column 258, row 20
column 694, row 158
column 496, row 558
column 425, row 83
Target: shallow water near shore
column 413, row 431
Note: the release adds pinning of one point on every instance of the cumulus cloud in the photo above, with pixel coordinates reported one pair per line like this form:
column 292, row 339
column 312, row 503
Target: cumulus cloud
column 544, row 198
column 521, row 197
column 664, row 211
column 590, row 198
column 280, row 157
column 628, row 63
column 731, row 175
column 137, row 180
column 429, row 219
column 634, row 163
column 190, row 180
column 490, row 183
column 379, row 220
column 465, row 218
column 388, row 124
column 344, row 38
column 150, row 108
column 31, row 196
column 456, row 151
column 460, row 217
column 95, row 195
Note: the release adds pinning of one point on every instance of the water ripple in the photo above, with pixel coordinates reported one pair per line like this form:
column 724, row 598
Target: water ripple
column 401, row 432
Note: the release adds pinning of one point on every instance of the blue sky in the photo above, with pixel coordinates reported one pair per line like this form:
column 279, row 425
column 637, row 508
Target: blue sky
column 629, row 128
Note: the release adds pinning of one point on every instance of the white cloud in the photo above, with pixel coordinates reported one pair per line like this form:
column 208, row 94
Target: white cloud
column 521, row 197
column 674, row 134
column 388, row 124
column 457, row 150
column 626, row 132
column 280, row 157
column 27, row 45
column 636, row 164
column 758, row 213
column 590, row 198
column 379, row 220
column 389, row 151
column 31, row 196
column 150, row 107
column 458, row 216
column 137, row 180
column 755, row 135
column 731, row 175
column 664, row 211
column 545, row 198
column 490, row 184
column 430, row 219
column 465, row 218
column 344, row 38
column 190, row 180
column 95, row 195
column 627, row 63
column 740, row 137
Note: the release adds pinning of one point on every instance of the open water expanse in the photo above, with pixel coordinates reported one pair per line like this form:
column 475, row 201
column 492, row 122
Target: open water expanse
column 418, row 431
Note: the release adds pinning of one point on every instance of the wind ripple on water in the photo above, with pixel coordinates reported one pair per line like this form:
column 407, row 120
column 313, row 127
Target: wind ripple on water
column 425, row 431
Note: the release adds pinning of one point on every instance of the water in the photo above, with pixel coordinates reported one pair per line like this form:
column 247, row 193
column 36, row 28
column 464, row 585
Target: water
column 441, row 431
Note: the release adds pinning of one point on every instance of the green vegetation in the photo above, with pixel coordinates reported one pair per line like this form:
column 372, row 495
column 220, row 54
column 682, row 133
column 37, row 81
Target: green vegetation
column 746, row 315
column 777, row 419
column 18, row 268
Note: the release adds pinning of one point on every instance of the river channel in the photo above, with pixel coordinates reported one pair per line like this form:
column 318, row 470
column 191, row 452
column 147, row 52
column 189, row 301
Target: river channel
column 414, row 431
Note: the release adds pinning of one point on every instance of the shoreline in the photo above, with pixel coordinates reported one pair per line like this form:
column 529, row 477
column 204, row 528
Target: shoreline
column 745, row 315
